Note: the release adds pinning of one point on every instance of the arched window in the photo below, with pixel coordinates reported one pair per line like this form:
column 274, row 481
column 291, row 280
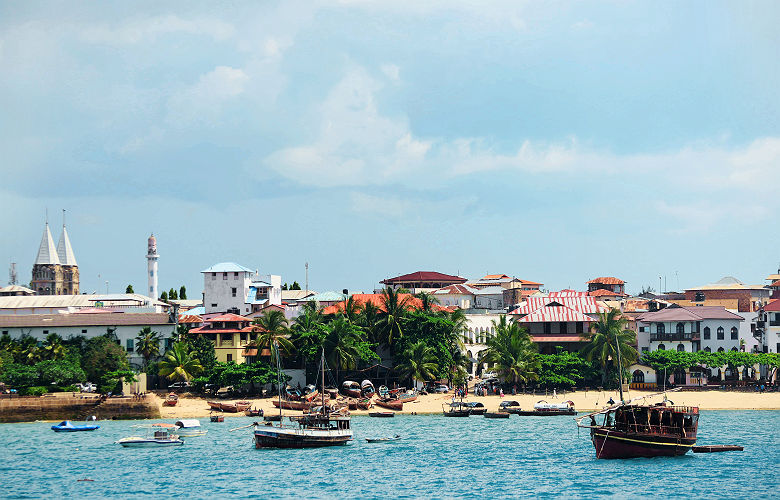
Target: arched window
column 661, row 347
column 680, row 328
column 720, row 333
column 720, row 349
column 734, row 349
column 661, row 328
column 680, row 347
column 707, row 349
column 638, row 377
column 734, row 333
column 706, row 333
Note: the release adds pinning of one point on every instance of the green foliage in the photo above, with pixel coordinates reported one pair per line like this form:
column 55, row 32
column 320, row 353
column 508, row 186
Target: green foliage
column 172, row 294
column 610, row 334
column 295, row 286
column 239, row 375
column 183, row 293
column 563, row 369
column 179, row 363
column 103, row 355
column 435, row 331
column 272, row 328
column 129, row 289
column 394, row 308
column 164, row 296
column 60, row 372
column 203, row 350
column 18, row 375
column 674, row 360
column 419, row 362
column 34, row 391
column 512, row 352
column 148, row 344
column 112, row 381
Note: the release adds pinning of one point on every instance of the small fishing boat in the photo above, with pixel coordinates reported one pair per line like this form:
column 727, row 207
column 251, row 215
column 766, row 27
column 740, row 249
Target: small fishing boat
column 476, row 407
column 545, row 409
column 272, row 418
column 171, row 400
column 254, row 412
column 351, row 388
column 496, row 414
column 190, row 428
column 381, row 414
column 67, row 426
column 390, row 404
column 216, row 418
column 292, row 405
column 157, row 435
column 367, row 389
column 310, row 393
column 384, row 439
column 215, row 405
column 456, row 409
column 237, row 407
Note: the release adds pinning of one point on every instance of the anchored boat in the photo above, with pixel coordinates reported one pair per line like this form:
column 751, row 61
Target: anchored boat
column 67, row 426
column 157, row 435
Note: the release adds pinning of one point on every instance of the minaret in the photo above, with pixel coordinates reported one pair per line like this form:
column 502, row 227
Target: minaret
column 70, row 269
column 151, row 265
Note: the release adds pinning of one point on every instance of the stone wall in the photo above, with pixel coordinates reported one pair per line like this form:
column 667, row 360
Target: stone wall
column 74, row 406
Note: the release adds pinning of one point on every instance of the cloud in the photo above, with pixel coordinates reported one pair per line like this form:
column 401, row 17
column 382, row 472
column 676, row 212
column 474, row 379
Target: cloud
column 392, row 71
column 203, row 100
column 149, row 29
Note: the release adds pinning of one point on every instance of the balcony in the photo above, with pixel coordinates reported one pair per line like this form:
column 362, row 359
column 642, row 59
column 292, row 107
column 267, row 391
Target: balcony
column 673, row 337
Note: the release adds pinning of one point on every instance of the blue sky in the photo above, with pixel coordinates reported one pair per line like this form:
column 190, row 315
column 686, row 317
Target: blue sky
column 554, row 141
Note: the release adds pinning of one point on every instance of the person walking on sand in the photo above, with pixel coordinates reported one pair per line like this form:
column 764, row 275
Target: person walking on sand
column 501, row 392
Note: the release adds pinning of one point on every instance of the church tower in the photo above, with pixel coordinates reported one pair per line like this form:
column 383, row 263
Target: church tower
column 151, row 265
column 70, row 269
column 47, row 270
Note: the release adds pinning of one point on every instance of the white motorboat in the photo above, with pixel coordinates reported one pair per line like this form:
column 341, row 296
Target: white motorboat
column 156, row 435
column 190, row 428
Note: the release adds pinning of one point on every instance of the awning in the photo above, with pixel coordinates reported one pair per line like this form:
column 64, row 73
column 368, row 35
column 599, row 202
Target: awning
column 556, row 338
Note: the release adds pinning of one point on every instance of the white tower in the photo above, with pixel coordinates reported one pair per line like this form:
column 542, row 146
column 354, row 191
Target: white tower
column 151, row 264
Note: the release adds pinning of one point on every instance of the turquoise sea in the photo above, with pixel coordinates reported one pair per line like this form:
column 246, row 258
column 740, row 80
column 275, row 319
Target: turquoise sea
column 437, row 458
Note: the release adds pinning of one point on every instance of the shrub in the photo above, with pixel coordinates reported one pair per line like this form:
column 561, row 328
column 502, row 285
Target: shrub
column 34, row 391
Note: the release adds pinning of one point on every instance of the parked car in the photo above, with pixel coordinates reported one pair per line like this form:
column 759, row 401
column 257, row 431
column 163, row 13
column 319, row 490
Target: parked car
column 87, row 387
column 488, row 375
column 179, row 385
column 440, row 388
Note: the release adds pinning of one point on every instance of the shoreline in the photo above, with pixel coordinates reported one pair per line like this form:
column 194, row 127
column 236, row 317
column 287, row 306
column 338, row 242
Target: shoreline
column 431, row 404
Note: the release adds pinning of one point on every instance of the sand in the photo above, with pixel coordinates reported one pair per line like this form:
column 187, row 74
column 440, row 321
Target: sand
column 196, row 407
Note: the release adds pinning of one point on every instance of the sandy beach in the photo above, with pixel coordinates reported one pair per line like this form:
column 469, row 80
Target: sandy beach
column 196, row 407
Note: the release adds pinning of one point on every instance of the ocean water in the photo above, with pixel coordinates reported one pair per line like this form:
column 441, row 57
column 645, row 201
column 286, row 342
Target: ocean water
column 438, row 457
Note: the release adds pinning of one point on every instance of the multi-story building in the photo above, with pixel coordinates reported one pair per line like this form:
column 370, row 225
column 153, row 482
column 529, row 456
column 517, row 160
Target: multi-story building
column 423, row 281
column 460, row 296
column 769, row 331
column 231, row 334
column 607, row 283
column 55, row 271
column 728, row 292
column 230, row 287
column 690, row 329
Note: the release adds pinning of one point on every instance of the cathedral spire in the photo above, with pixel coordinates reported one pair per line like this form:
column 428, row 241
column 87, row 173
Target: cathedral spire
column 47, row 252
column 64, row 250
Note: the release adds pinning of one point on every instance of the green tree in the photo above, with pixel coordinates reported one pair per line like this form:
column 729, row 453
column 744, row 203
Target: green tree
column 271, row 328
column 512, row 352
column 183, row 293
column 52, row 348
column 295, row 286
column 418, row 363
column 164, row 296
column 344, row 345
column 61, row 372
column 394, row 307
column 129, row 289
column 17, row 375
column 179, row 364
column 370, row 320
column 284, row 287
column 309, row 331
column 148, row 344
column 173, row 295
column 427, row 299
column 609, row 334
column 103, row 355
column 203, row 350
column 562, row 369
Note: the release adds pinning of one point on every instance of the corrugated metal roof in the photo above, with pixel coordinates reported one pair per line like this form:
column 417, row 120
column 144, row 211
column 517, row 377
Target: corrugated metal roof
column 229, row 317
column 297, row 294
column 62, row 301
column 327, row 297
column 553, row 313
column 227, row 267
column 567, row 293
column 456, row 290
column 583, row 304
column 424, row 276
column 490, row 290
column 103, row 319
column 607, row 280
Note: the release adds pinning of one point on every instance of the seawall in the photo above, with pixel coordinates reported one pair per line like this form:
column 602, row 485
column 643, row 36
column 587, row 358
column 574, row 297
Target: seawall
column 72, row 406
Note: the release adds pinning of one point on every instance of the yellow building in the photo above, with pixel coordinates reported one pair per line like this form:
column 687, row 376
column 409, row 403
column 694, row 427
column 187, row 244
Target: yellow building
column 231, row 334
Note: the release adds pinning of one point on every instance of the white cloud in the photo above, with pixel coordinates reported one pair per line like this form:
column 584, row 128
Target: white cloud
column 392, row 71
column 204, row 99
column 148, row 29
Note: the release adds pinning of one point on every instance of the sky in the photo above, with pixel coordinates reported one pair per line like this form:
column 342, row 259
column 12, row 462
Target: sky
column 551, row 141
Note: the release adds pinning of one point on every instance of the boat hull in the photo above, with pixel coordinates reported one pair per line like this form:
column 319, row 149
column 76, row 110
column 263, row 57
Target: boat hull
column 151, row 443
column 274, row 437
column 75, row 429
column 542, row 413
column 610, row 443
column 390, row 405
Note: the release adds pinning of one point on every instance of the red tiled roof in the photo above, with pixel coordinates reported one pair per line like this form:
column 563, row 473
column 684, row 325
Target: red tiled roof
column 604, row 293
column 206, row 329
column 607, row 280
column 376, row 299
column 526, row 282
column 456, row 290
column 190, row 318
column 495, row 277
column 776, row 284
column 688, row 313
column 424, row 276
column 556, row 338
column 773, row 306
column 229, row 317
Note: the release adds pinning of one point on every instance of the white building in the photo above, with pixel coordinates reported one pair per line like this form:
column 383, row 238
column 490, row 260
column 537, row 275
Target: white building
column 52, row 304
column 770, row 322
column 151, row 266
column 460, row 296
column 693, row 328
column 125, row 326
column 229, row 287
column 491, row 297
column 479, row 327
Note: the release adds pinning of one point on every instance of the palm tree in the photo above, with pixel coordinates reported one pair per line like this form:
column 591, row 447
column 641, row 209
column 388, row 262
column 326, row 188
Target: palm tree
column 351, row 310
column 460, row 323
column 370, row 320
column 148, row 344
column 419, row 362
column 272, row 327
column 179, row 364
column 53, row 348
column 609, row 329
column 340, row 344
column 427, row 300
column 395, row 309
column 512, row 352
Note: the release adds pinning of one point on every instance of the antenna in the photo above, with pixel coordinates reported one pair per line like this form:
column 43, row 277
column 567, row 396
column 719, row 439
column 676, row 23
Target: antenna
column 63, row 217
column 12, row 274
column 307, row 278
column 46, row 212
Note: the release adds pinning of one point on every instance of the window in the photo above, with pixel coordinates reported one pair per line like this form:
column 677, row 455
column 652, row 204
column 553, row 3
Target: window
column 213, row 305
column 661, row 347
column 213, row 276
column 168, row 343
column 645, row 349
column 734, row 349
column 233, row 291
column 680, row 328
column 638, row 377
column 230, row 357
column 680, row 348
column 734, row 333
column 706, row 333
column 235, row 276
column 46, row 332
column 699, row 297
column 224, row 276
column 547, row 328
column 151, row 273
column 83, row 331
column 580, row 327
column 562, row 327
column 720, row 349
column 5, row 332
column 641, row 328
column 721, row 332
column 661, row 328
column 707, row 349
column 130, row 345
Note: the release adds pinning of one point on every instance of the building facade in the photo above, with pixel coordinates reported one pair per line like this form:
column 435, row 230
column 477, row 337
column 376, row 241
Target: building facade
column 230, row 287
column 55, row 271
column 691, row 329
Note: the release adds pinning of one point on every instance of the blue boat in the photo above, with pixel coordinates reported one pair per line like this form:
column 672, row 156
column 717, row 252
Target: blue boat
column 67, row 426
